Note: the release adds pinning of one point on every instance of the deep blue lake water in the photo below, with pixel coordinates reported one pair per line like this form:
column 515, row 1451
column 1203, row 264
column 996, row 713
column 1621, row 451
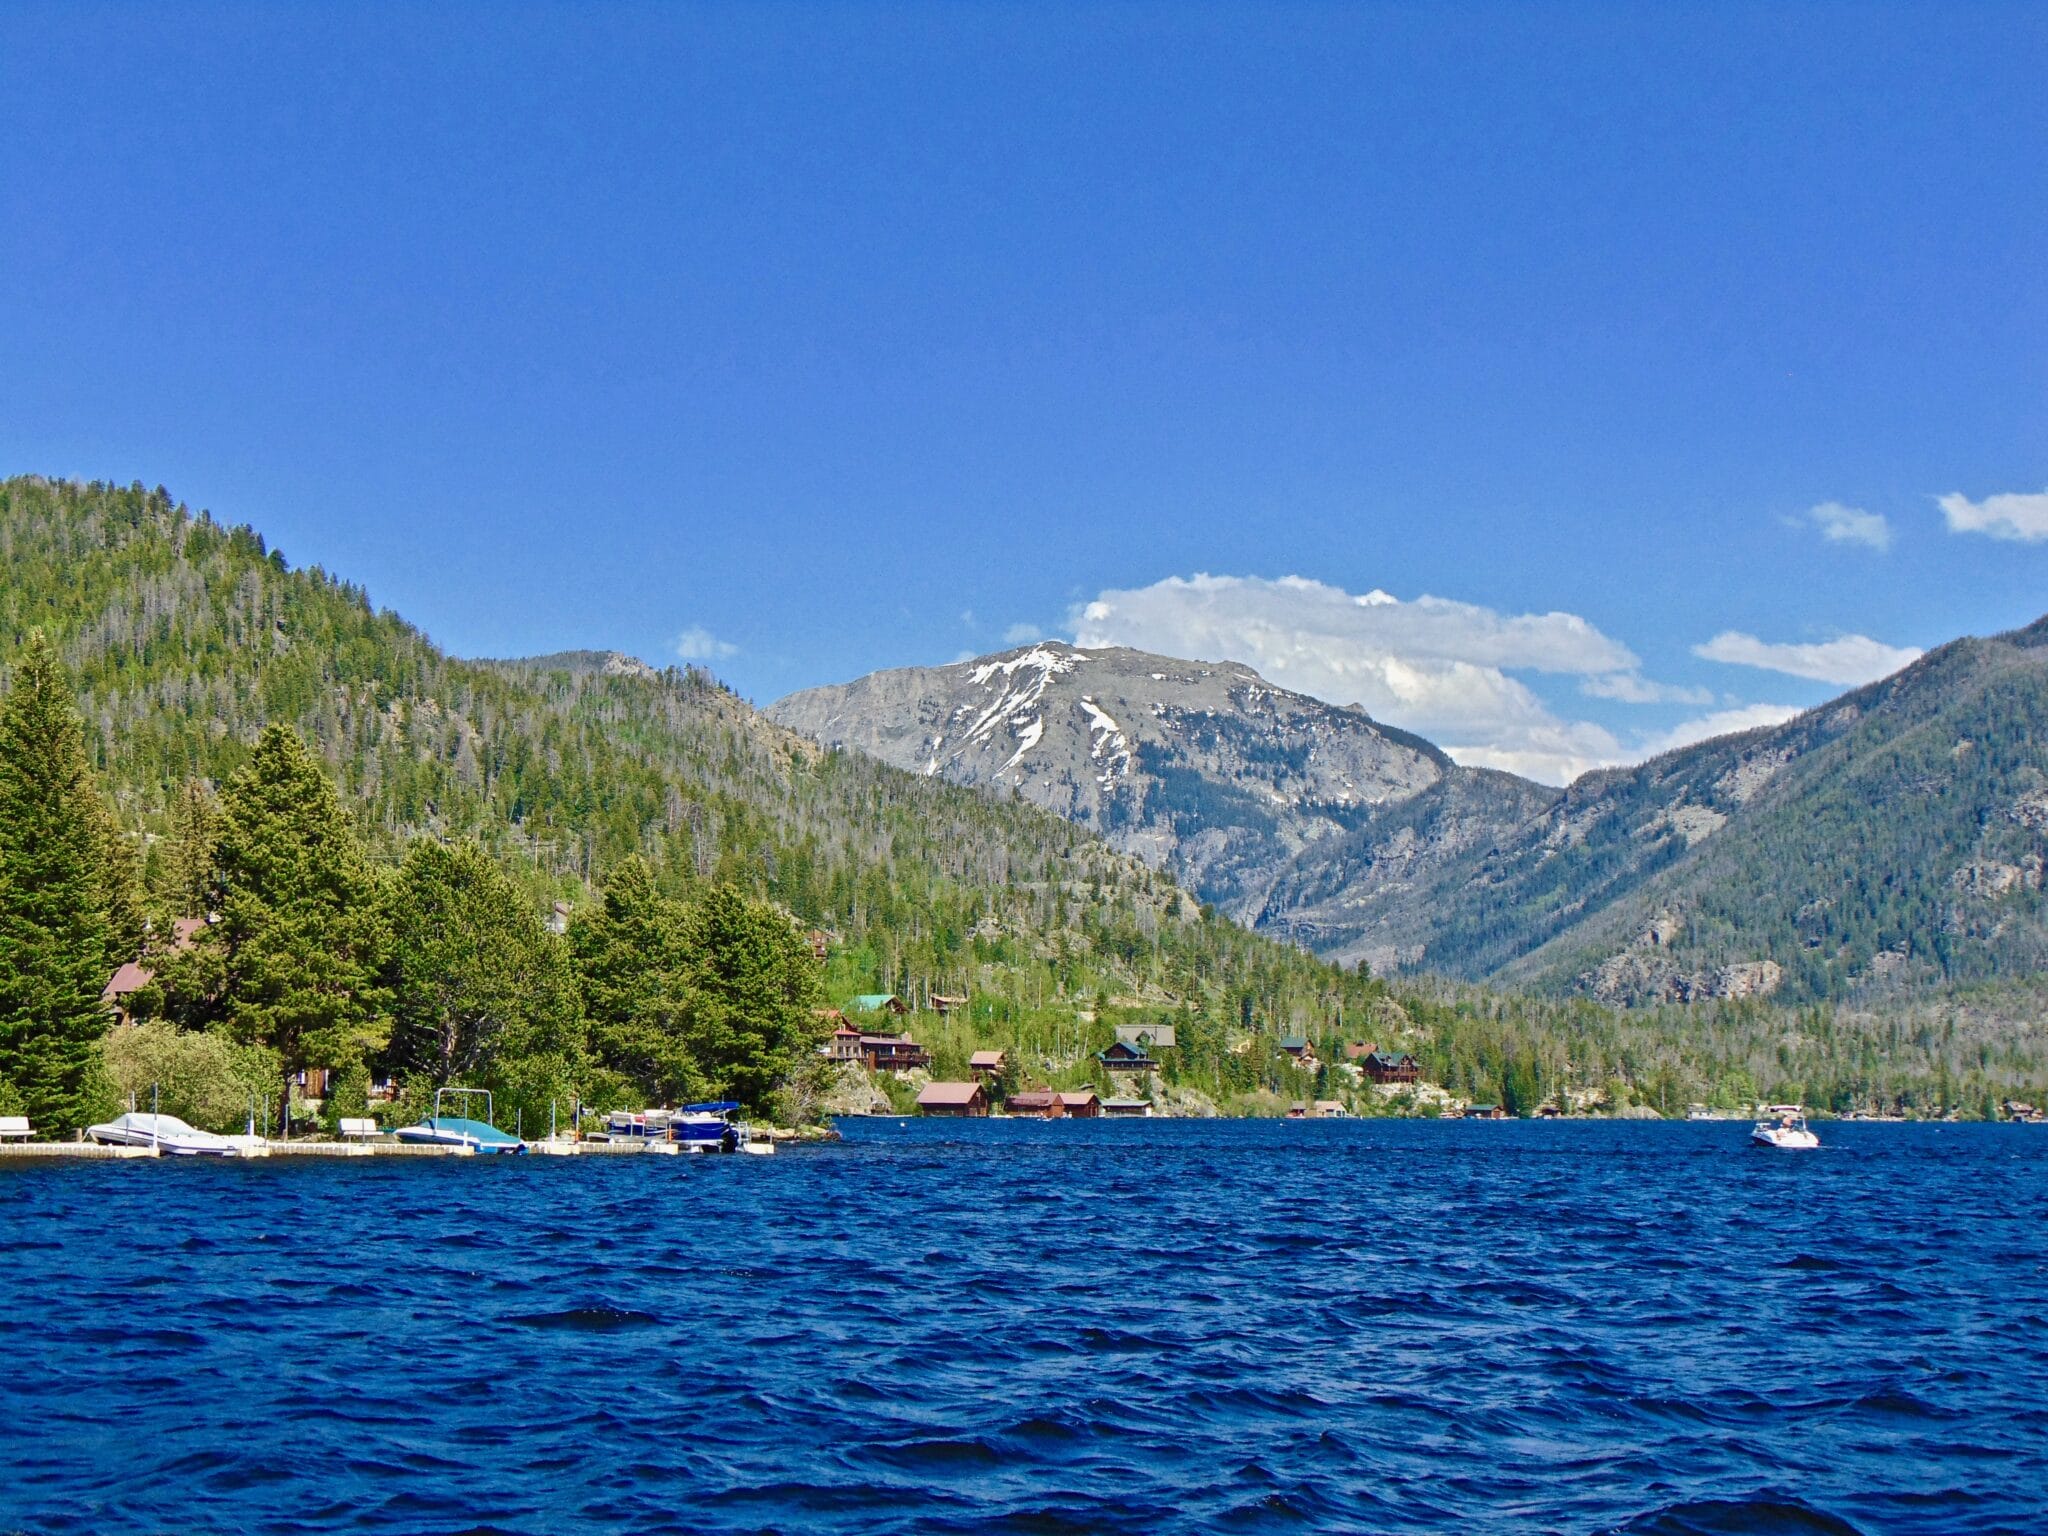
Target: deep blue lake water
column 1009, row 1326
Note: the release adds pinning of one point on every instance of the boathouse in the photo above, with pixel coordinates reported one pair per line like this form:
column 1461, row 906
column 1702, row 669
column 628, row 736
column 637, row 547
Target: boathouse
column 1034, row 1101
column 956, row 1099
column 1127, row 1109
column 1081, row 1104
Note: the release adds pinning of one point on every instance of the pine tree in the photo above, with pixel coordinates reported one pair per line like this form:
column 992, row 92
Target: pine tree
column 633, row 963
column 121, row 879
column 475, row 978
column 53, row 901
column 754, row 996
column 184, row 879
column 293, row 964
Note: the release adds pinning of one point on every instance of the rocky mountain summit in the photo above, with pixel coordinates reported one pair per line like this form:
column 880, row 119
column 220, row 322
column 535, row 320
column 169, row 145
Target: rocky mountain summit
column 1201, row 767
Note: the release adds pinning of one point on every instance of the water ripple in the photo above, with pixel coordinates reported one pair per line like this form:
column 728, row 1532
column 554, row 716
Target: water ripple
column 1153, row 1327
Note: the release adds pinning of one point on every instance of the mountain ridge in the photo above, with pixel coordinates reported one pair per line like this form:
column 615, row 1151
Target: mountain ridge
column 1618, row 885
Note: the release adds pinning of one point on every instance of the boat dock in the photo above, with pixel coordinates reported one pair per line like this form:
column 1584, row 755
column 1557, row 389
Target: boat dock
column 87, row 1151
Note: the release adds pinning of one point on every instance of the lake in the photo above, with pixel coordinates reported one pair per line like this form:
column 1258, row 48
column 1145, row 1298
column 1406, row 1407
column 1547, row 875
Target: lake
column 1071, row 1327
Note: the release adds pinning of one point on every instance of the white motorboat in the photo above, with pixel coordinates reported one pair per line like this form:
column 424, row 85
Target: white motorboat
column 1783, row 1126
column 167, row 1135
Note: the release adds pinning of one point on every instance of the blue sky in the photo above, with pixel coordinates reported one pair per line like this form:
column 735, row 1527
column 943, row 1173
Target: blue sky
column 814, row 339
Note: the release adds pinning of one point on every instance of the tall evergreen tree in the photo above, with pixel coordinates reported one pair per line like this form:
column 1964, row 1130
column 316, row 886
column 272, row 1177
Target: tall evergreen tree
column 633, row 962
column 293, row 964
column 53, row 900
column 184, row 877
column 121, row 877
column 475, row 977
column 754, row 994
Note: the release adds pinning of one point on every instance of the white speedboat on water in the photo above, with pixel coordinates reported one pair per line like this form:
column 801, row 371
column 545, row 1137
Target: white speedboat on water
column 1784, row 1126
column 167, row 1134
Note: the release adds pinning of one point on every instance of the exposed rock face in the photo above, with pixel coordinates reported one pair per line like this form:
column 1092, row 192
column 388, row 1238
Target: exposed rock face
column 1989, row 877
column 1204, row 768
column 1636, row 978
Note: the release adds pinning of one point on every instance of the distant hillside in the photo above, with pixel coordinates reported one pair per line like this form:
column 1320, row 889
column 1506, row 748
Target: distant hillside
column 1891, row 842
column 185, row 638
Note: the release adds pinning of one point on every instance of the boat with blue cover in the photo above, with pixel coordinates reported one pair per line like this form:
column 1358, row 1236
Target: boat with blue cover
column 709, row 1127
column 461, row 1133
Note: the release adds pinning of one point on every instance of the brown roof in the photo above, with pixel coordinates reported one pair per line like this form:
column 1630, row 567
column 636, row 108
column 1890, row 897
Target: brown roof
column 184, row 930
column 1080, row 1096
column 130, row 978
column 1035, row 1099
column 949, row 1093
column 985, row 1059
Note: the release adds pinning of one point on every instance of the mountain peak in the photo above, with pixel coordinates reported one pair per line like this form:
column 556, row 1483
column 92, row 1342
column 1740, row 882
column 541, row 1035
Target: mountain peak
column 1203, row 766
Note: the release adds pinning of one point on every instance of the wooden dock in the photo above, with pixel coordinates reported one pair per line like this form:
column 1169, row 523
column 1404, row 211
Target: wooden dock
column 87, row 1151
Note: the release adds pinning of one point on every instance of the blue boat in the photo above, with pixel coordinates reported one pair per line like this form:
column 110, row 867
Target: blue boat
column 460, row 1132
column 709, row 1127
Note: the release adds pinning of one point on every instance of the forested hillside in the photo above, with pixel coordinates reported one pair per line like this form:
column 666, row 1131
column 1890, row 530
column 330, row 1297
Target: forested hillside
column 185, row 639
column 658, row 806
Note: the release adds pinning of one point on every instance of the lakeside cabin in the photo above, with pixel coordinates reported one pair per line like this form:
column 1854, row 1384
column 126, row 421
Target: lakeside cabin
column 1126, row 1057
column 844, row 1042
column 1331, row 1109
column 893, row 1053
column 1147, row 1037
column 879, row 1002
column 1392, row 1067
column 1485, row 1112
column 987, row 1065
column 1127, row 1109
column 968, row 1100
column 1298, row 1048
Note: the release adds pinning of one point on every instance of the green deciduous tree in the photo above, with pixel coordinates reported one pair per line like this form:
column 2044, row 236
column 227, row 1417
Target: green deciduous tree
column 53, row 901
column 293, row 964
column 198, row 1075
column 754, row 994
column 480, row 988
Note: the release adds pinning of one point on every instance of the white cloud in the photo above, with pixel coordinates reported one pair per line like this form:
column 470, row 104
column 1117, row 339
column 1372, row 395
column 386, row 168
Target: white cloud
column 1023, row 634
column 1634, row 688
column 1431, row 665
column 698, row 644
column 1722, row 722
column 1849, row 659
column 2018, row 516
column 1850, row 525
column 967, row 617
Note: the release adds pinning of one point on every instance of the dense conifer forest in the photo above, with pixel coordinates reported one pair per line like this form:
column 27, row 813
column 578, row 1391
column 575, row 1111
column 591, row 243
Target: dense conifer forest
column 378, row 836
